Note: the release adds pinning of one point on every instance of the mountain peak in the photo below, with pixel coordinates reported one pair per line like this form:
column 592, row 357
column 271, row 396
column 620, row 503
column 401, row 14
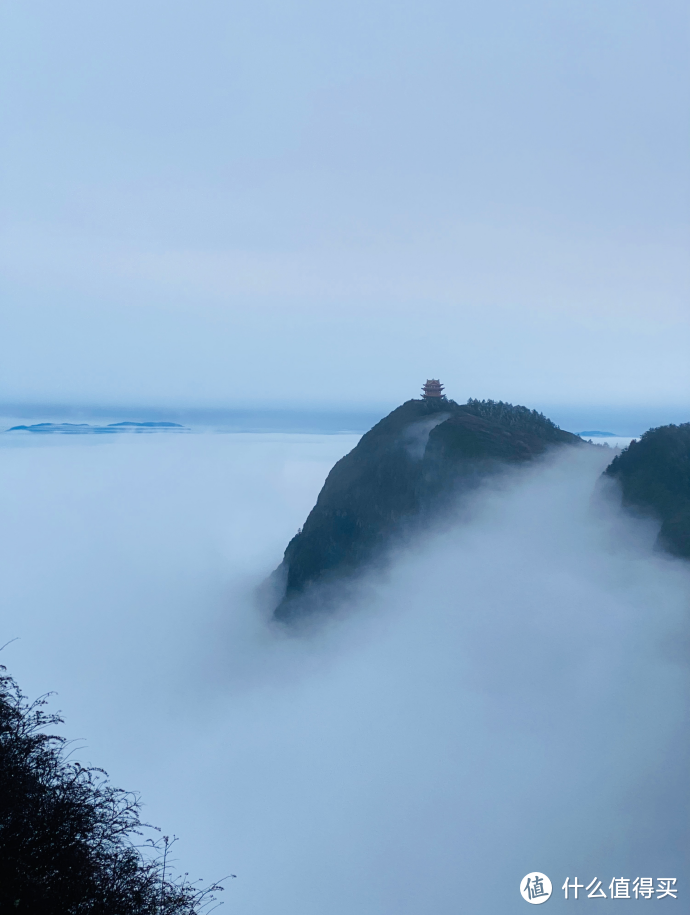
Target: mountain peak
column 409, row 466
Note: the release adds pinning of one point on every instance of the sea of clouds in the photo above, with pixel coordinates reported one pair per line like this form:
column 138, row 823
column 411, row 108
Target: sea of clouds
column 511, row 695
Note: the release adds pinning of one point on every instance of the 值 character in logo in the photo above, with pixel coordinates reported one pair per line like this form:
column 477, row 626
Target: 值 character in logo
column 534, row 887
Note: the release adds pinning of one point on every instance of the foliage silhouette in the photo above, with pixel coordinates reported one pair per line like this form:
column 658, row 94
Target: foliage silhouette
column 513, row 416
column 654, row 474
column 70, row 843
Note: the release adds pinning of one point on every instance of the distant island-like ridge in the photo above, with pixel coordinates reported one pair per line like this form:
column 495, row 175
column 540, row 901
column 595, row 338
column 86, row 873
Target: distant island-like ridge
column 87, row 429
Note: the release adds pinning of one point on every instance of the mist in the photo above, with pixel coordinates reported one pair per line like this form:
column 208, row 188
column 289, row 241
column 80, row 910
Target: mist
column 509, row 695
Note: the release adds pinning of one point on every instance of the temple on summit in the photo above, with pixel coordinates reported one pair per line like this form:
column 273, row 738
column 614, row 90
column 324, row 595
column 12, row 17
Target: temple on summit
column 433, row 389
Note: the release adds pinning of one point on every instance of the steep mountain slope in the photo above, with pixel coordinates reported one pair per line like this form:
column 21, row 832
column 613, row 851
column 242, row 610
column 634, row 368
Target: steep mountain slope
column 409, row 465
column 654, row 475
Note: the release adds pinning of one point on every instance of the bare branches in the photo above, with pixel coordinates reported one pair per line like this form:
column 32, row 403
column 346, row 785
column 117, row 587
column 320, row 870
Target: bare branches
column 67, row 837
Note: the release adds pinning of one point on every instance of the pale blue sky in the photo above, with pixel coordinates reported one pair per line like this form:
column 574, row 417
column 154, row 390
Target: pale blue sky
column 285, row 202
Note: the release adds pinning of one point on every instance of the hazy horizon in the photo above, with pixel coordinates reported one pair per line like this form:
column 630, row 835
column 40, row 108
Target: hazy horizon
column 334, row 418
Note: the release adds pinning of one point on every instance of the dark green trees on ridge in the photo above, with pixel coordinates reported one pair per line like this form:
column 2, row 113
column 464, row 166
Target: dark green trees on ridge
column 654, row 475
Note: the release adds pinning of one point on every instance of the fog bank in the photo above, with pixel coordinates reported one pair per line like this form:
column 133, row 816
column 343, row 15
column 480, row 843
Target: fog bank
column 510, row 696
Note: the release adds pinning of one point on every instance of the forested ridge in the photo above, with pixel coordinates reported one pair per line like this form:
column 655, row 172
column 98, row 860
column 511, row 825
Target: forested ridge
column 654, row 475
column 413, row 465
column 513, row 416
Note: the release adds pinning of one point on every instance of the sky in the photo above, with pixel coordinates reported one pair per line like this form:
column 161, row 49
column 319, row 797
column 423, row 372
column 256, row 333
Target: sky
column 325, row 203
column 510, row 696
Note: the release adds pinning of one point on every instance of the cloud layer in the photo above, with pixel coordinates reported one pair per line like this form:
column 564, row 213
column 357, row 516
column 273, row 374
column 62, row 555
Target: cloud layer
column 510, row 696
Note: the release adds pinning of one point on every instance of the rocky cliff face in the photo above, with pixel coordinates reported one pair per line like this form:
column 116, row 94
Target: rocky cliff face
column 410, row 465
column 654, row 475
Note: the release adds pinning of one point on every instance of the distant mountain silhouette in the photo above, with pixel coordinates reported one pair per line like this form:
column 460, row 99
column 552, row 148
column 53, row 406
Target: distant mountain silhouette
column 654, row 475
column 86, row 429
column 146, row 425
column 408, row 466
